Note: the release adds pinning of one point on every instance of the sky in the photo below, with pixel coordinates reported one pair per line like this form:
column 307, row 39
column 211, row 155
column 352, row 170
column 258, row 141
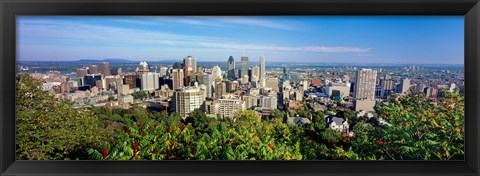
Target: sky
column 318, row 39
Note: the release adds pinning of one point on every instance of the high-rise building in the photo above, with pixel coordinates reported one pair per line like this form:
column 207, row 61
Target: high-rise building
column 131, row 81
column 244, row 68
column 286, row 73
column 216, row 72
column 269, row 102
column 177, row 77
column 101, row 84
column 228, row 105
column 150, row 81
column 231, row 68
column 404, row 86
column 190, row 61
column 388, row 86
column 255, row 74
column 245, row 79
column 364, row 93
column 81, row 72
column 91, row 80
column 187, row 99
column 262, row 67
column 142, row 68
column 93, row 69
column 208, row 82
column 251, row 101
column 79, row 80
column 365, row 84
column 163, row 71
column 189, row 74
column 231, row 86
column 220, row 89
column 272, row 83
column 105, row 68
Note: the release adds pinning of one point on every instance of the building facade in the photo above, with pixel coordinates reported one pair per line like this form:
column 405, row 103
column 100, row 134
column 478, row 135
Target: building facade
column 244, row 68
column 187, row 99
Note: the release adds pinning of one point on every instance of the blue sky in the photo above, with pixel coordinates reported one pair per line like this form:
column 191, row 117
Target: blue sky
column 321, row 39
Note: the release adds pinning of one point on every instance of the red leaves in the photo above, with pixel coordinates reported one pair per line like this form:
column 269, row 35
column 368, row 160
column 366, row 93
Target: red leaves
column 143, row 133
column 169, row 128
column 155, row 151
column 140, row 124
column 253, row 137
column 104, row 153
column 135, row 145
column 127, row 130
column 292, row 156
column 380, row 142
column 270, row 146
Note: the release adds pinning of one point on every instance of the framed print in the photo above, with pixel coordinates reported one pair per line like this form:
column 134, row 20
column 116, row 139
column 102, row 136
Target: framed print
column 253, row 87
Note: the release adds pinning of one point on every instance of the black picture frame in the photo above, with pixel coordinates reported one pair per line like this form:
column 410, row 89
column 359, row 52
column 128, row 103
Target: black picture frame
column 470, row 9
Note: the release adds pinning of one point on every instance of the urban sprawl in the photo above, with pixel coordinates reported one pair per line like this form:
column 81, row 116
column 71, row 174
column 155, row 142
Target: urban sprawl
column 186, row 86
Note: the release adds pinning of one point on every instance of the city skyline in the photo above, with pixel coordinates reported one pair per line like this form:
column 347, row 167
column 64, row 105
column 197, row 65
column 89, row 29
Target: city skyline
column 417, row 40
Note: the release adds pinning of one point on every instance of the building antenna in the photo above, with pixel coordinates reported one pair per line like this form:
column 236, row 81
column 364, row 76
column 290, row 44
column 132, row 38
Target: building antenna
column 243, row 52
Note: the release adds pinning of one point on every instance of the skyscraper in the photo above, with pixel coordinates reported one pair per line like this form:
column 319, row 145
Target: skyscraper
column 177, row 77
column 93, row 69
column 286, row 73
column 208, row 82
column 255, row 74
column 190, row 61
column 262, row 67
column 244, row 68
column 231, row 68
column 104, row 66
column 365, row 84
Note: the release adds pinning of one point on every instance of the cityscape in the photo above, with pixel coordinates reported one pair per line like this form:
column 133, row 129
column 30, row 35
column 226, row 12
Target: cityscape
column 245, row 107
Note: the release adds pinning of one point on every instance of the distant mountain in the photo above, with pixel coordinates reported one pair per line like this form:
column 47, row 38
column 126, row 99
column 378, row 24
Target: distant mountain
column 113, row 60
column 117, row 60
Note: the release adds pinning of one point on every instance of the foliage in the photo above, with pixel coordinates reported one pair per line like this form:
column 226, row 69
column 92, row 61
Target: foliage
column 418, row 129
column 48, row 128
column 140, row 95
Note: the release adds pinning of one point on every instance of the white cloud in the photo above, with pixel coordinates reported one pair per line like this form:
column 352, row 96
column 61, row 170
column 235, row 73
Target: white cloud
column 55, row 34
column 322, row 49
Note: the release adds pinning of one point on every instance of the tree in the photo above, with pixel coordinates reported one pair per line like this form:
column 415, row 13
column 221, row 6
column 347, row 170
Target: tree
column 140, row 95
column 198, row 119
column 420, row 130
column 48, row 128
